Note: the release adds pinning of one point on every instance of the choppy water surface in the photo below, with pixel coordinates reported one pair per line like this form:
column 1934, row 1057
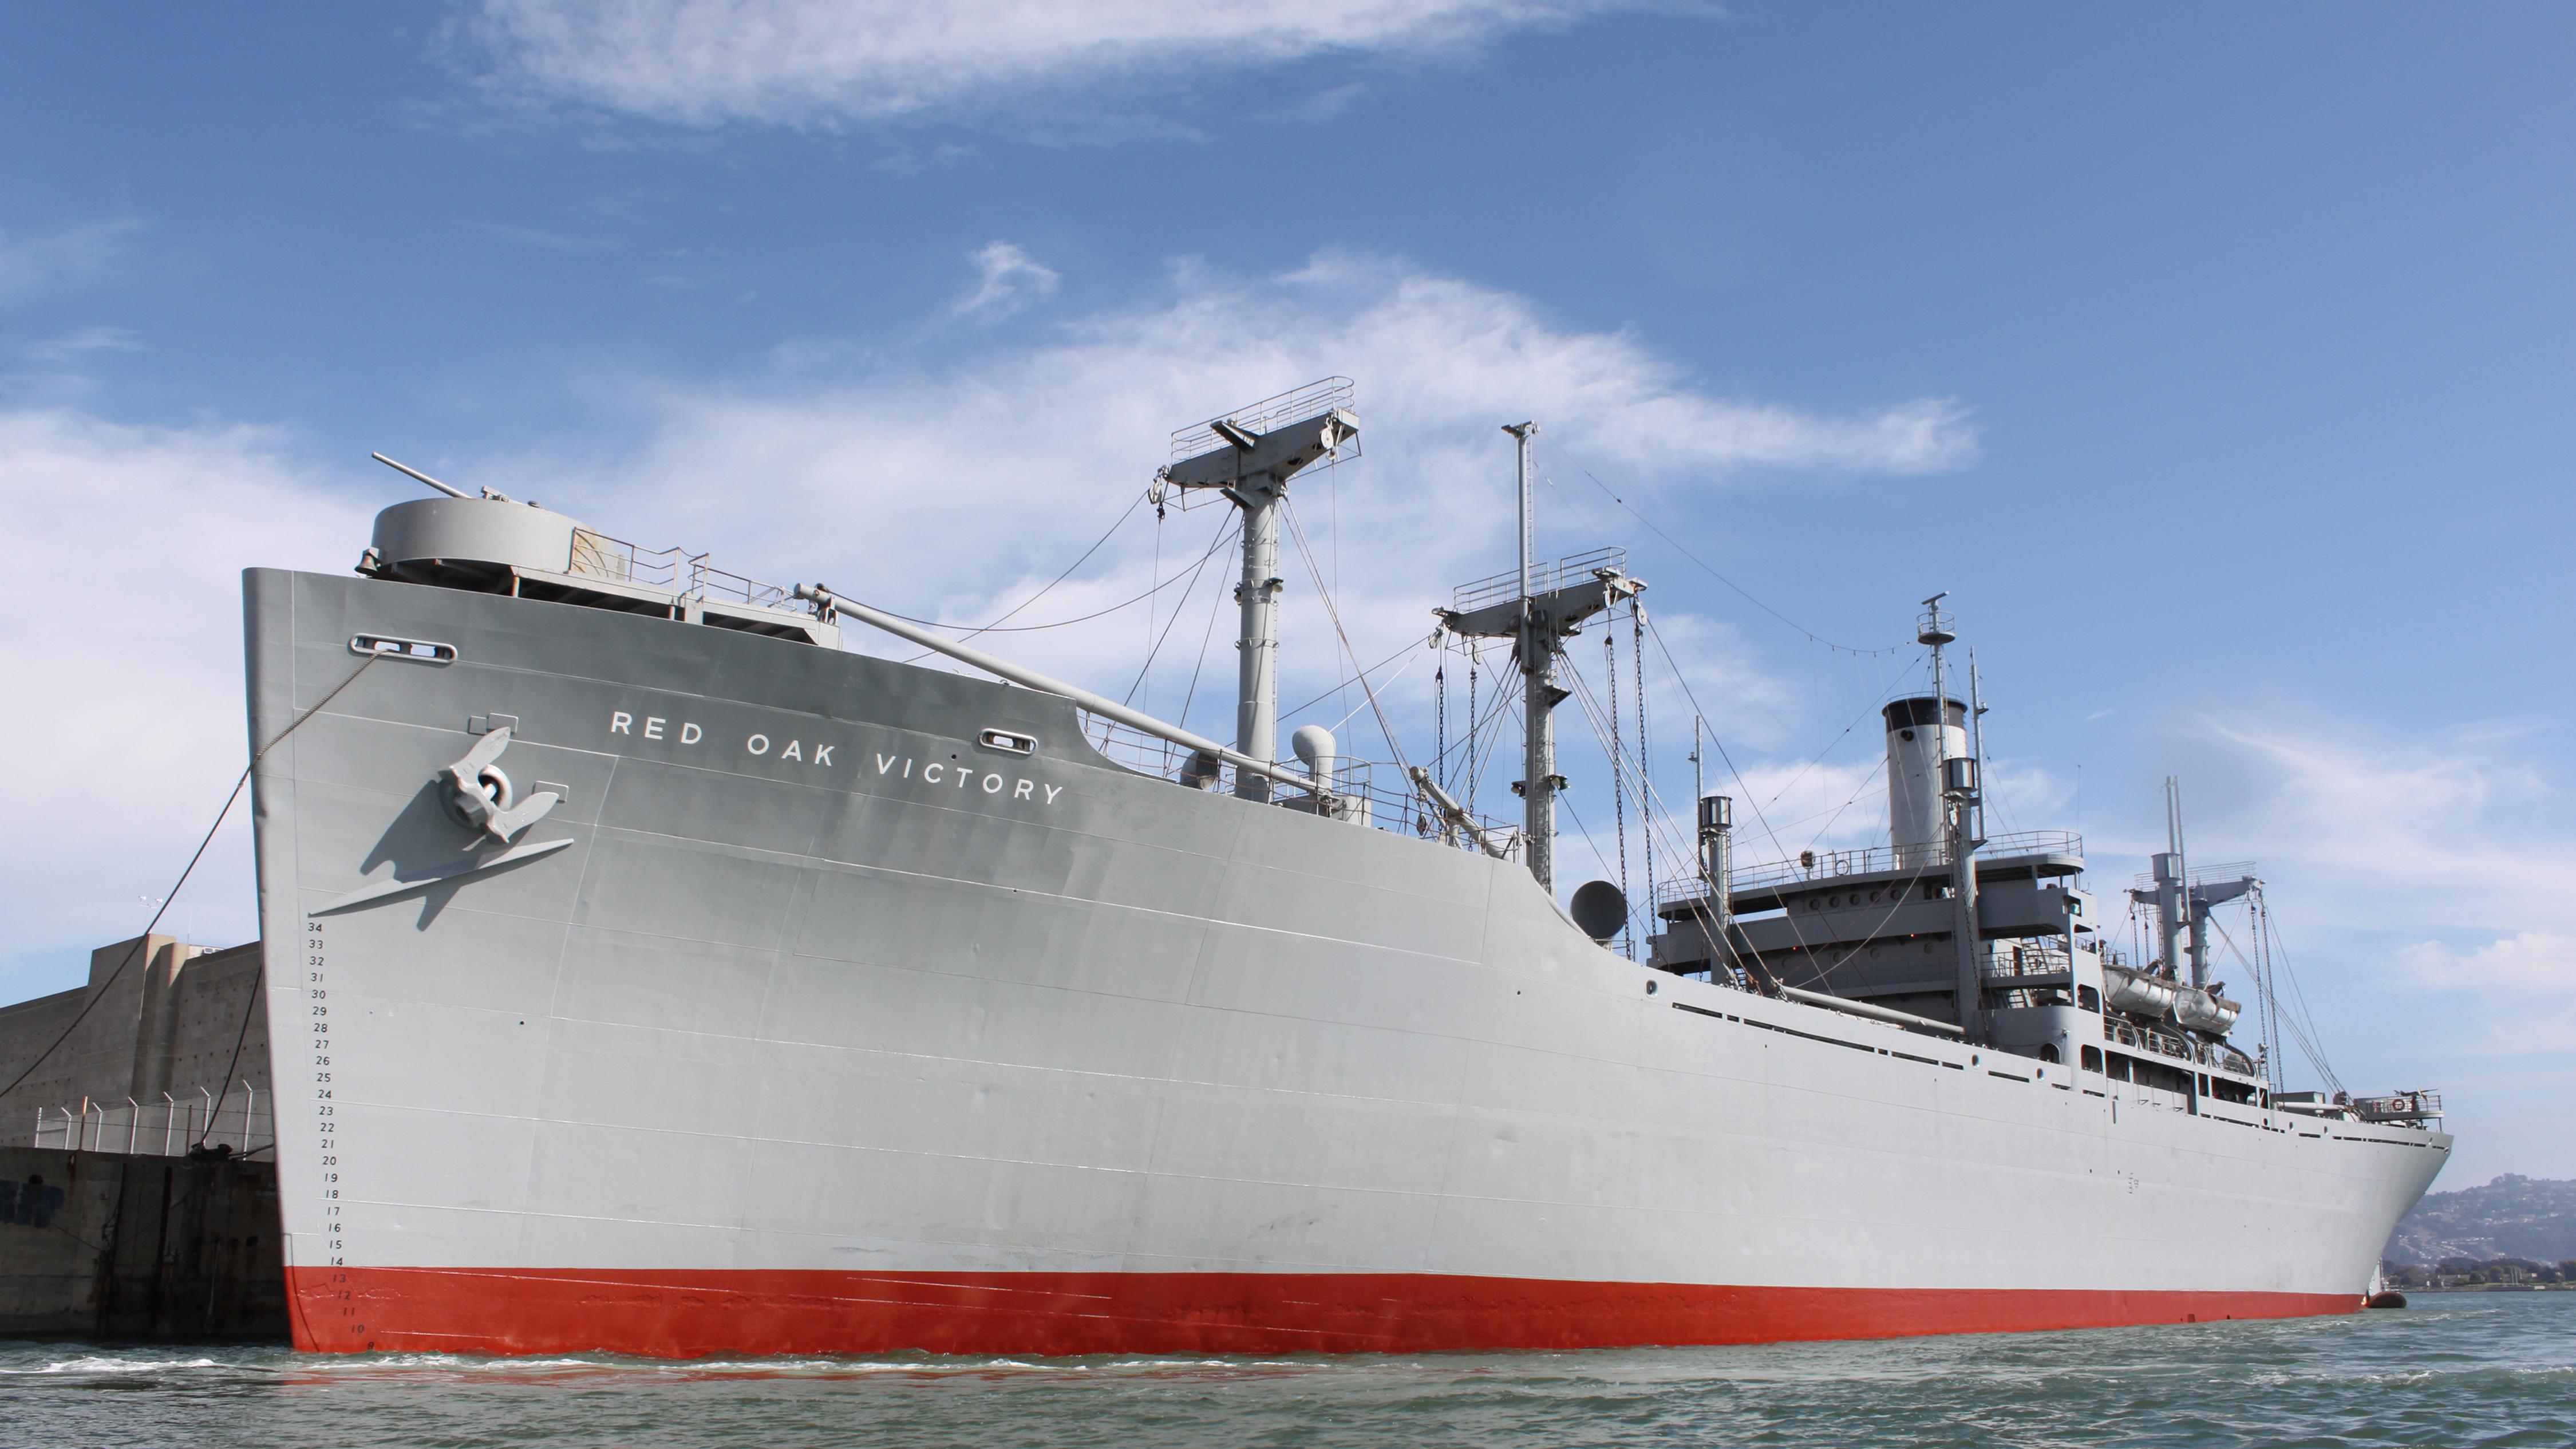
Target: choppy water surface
column 2456, row 1370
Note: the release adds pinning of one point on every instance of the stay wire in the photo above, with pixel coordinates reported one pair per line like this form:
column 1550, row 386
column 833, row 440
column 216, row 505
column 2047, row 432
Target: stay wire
column 100, row 994
column 1796, row 927
column 1625, row 770
column 1223, row 538
column 1177, row 610
column 1645, row 746
column 1297, row 531
column 249, row 1009
column 1618, row 785
column 1480, row 720
column 1216, row 604
column 1812, row 636
column 1346, row 684
column 1132, row 506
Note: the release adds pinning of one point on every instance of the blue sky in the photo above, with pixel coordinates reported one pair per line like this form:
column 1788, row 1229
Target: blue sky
column 2216, row 358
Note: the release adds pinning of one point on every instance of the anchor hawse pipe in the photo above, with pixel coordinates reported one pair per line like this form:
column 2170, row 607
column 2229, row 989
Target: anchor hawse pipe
column 1031, row 679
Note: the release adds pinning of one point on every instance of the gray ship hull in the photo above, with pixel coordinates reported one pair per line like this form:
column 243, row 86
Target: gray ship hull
column 807, row 1023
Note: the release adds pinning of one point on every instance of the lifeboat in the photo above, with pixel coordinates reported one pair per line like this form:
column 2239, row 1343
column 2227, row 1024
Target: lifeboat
column 2137, row 991
column 2205, row 1011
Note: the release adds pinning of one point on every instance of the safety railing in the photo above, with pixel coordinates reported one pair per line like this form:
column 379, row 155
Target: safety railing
column 243, row 1119
column 675, row 571
column 1293, row 406
column 2225, row 870
column 1830, row 864
column 1358, row 795
column 2181, row 1049
column 2007, row 960
column 2398, row 1107
column 1544, row 578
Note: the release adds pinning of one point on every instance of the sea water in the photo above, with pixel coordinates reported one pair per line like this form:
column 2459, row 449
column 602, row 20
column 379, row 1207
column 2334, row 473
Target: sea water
column 2453, row 1370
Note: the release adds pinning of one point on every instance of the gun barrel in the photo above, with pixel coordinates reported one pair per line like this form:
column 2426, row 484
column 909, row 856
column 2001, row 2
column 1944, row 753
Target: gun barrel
column 423, row 477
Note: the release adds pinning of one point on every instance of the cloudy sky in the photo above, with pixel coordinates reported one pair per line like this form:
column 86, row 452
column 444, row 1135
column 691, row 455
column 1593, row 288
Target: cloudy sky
column 2215, row 359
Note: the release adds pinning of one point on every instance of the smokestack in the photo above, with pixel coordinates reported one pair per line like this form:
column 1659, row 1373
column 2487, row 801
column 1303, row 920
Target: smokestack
column 1921, row 734
column 1717, row 863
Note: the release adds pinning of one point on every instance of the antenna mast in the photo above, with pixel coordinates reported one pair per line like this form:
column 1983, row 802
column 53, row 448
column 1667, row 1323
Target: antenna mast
column 1959, row 798
column 1539, row 698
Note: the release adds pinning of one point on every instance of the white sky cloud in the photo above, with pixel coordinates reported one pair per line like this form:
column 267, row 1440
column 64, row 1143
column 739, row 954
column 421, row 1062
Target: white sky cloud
column 31, row 261
column 73, row 345
column 810, row 60
column 125, row 658
column 2472, row 823
column 2524, row 984
column 2444, row 863
column 960, row 493
column 1008, row 280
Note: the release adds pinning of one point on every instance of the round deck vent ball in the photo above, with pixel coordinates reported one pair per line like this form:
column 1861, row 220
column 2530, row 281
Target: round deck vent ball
column 1600, row 909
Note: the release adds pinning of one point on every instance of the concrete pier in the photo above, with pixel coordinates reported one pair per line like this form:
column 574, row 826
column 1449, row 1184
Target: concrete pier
column 99, row 1245
column 168, row 1023
column 109, row 1228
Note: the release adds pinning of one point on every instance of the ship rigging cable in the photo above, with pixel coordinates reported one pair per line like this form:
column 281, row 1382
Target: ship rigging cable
column 1133, row 505
column 100, row 994
column 1631, row 772
column 1470, row 748
column 2308, row 1043
column 1224, row 536
column 1645, row 748
column 1619, row 790
column 2311, row 1040
column 1177, row 610
column 1768, row 829
column 1297, row 531
column 1812, row 636
column 1347, row 683
column 1216, row 602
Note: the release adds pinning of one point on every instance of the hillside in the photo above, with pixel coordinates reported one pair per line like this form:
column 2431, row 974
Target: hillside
column 2511, row 1217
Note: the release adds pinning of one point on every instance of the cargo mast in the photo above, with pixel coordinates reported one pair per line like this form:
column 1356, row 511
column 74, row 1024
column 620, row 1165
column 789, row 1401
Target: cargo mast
column 1248, row 455
column 1536, row 608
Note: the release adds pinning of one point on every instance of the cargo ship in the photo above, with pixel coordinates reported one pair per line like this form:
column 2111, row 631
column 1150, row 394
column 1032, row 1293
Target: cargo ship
column 650, row 973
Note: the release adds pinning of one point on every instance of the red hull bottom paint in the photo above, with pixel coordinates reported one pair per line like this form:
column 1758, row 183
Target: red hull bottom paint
column 685, row 1314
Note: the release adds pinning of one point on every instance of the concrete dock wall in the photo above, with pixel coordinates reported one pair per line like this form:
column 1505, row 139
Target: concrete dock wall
column 174, row 1029
column 99, row 1245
